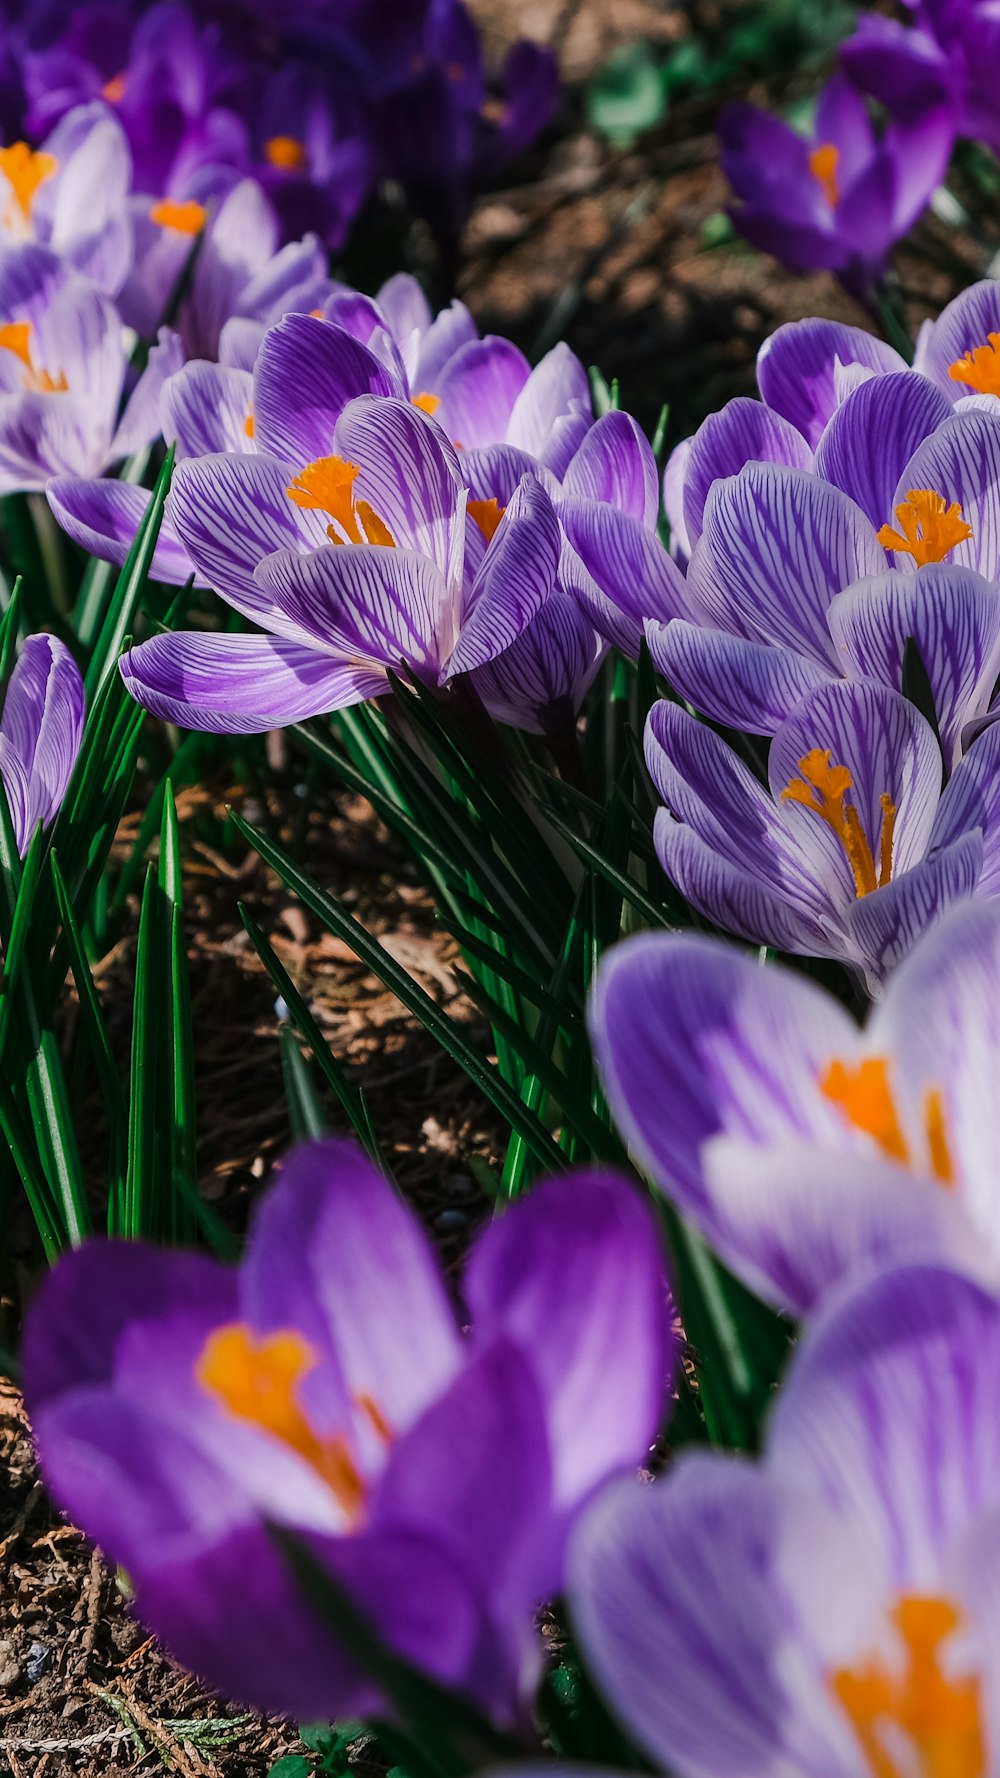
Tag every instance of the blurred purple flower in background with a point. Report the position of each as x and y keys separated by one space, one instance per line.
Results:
x=178 y=1406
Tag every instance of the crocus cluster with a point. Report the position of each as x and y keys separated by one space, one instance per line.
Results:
x=315 y=103
x=839 y=198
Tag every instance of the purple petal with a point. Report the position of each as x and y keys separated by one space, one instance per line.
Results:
x=777 y=544
x=142 y=420
x=207 y=408
x=628 y=574
x=238 y=242
x=963 y=325
x=230 y=512
x=452 y=329
x=954 y=617
x=477 y=390
x=743 y=432
x=409 y=473
x=306 y=373
x=971 y=803
x=43 y=715
x=797 y=364
x=240 y=685
x=407 y=314
x=575 y=1278
x=377 y=607
x=674 y=479
x=557 y=391
x=615 y=463
x=540 y=681
x=516 y=575
x=734 y=899
x=883 y=927
x=104 y=516
x=874 y=433
x=747 y=685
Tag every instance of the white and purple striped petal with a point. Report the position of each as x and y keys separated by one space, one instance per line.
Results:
x=239 y=685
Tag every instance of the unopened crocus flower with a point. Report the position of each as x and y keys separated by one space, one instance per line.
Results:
x=179 y=1405
x=805 y=1149
x=852 y=851
x=353 y=547
x=831 y=1608
x=62 y=374
x=71 y=195
x=838 y=200
x=41 y=724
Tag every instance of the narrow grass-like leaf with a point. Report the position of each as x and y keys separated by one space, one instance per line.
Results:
x=179 y=1062
x=305 y=1113
x=130 y=587
x=100 y=1046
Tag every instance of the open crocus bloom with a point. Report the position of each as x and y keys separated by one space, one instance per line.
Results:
x=358 y=560
x=839 y=200
x=828 y=1611
x=41 y=725
x=852 y=850
x=804 y=1148
x=179 y=1405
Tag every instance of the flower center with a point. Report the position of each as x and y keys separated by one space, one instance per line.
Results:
x=823 y=788
x=864 y=1095
x=185 y=219
x=15 y=336
x=823 y=164
x=929 y=527
x=937 y=1719
x=487 y=514
x=114 y=89
x=250 y=424
x=25 y=171
x=427 y=403
x=328 y=486
x=979 y=367
x=286 y=152
x=258 y=1380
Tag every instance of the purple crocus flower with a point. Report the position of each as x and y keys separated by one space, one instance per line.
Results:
x=829 y=1610
x=178 y=1405
x=807 y=1150
x=70 y=195
x=357 y=559
x=62 y=373
x=41 y=725
x=852 y=850
x=839 y=200
x=313 y=159
x=950 y=53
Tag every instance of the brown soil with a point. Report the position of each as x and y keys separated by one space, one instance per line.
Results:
x=608 y=248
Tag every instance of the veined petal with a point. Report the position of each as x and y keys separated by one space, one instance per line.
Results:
x=629 y=575
x=229 y=513
x=964 y=325
x=734 y=898
x=43 y=714
x=376 y=607
x=961 y=461
x=477 y=390
x=557 y=389
x=539 y=682
x=777 y=544
x=870 y=439
x=615 y=463
x=517 y=573
x=241 y=685
x=952 y=614
x=103 y=517
x=796 y=367
x=743 y=432
x=142 y=420
x=883 y=927
x=747 y=685
x=971 y=803
x=207 y=408
x=306 y=373
x=408 y=472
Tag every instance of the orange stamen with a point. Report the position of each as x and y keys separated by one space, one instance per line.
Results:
x=15 y=336
x=250 y=425
x=286 y=152
x=864 y=1095
x=937 y=1719
x=929 y=527
x=427 y=403
x=186 y=219
x=25 y=171
x=114 y=89
x=823 y=164
x=327 y=485
x=979 y=367
x=487 y=515
x=823 y=788
x=942 y=1165
x=259 y=1380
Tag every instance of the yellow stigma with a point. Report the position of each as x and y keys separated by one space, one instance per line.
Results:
x=979 y=367
x=427 y=403
x=823 y=164
x=25 y=171
x=184 y=219
x=863 y=1094
x=933 y=1721
x=258 y=1380
x=327 y=485
x=929 y=527
x=487 y=515
x=823 y=788
x=114 y=89
x=286 y=152
x=15 y=336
